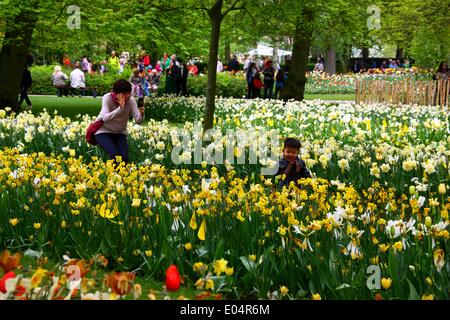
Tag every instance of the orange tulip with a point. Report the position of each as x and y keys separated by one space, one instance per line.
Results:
x=120 y=282
x=9 y=262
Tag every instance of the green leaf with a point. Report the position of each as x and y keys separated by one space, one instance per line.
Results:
x=393 y=266
x=219 y=250
x=413 y=295
x=248 y=264
x=343 y=286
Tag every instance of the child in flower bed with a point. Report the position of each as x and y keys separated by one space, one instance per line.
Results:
x=291 y=167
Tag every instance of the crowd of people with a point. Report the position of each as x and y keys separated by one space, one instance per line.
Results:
x=145 y=78
x=359 y=66
x=273 y=75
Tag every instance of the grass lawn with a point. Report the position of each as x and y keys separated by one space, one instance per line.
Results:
x=331 y=96
x=66 y=106
x=70 y=107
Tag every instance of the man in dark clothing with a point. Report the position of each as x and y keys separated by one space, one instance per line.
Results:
x=177 y=75
x=291 y=168
x=269 y=79
x=184 y=77
x=233 y=65
x=24 y=86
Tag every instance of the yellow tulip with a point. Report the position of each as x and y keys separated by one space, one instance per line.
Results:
x=283 y=291
x=386 y=283
x=316 y=297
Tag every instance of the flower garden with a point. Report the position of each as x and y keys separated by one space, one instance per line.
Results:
x=379 y=200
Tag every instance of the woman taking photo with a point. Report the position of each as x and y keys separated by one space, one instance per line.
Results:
x=117 y=107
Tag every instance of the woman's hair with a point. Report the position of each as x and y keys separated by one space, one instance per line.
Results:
x=122 y=86
x=57 y=69
x=441 y=67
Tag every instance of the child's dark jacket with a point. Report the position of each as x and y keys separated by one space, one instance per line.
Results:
x=293 y=171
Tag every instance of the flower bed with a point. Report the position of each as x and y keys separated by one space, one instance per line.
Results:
x=380 y=199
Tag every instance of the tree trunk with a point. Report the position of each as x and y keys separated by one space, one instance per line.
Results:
x=16 y=44
x=365 y=53
x=215 y=16
x=399 y=53
x=276 y=47
x=330 y=60
x=227 y=52
x=295 y=85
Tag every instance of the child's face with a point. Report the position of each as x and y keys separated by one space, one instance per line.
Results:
x=290 y=153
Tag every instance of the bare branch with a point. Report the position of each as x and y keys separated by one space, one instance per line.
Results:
x=234 y=8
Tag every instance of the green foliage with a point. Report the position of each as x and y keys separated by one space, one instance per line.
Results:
x=227 y=86
x=430 y=49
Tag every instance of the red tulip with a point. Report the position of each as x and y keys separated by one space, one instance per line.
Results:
x=172 y=278
x=9 y=275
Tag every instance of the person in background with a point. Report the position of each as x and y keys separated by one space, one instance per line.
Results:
x=59 y=81
x=154 y=80
x=219 y=66
x=392 y=64
x=95 y=67
x=442 y=73
x=258 y=63
x=356 y=67
x=247 y=63
x=113 y=61
x=384 y=65
x=66 y=61
x=140 y=65
x=103 y=68
x=406 y=64
x=77 y=80
x=165 y=62
x=84 y=64
x=122 y=62
x=146 y=60
x=136 y=82
x=145 y=83
x=158 y=67
x=192 y=69
x=257 y=86
x=170 y=76
x=184 y=77
x=280 y=81
x=319 y=66
x=269 y=79
x=177 y=72
x=117 y=107
x=233 y=65
x=24 y=86
x=250 y=76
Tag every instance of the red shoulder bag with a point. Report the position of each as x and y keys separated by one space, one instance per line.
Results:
x=91 y=130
